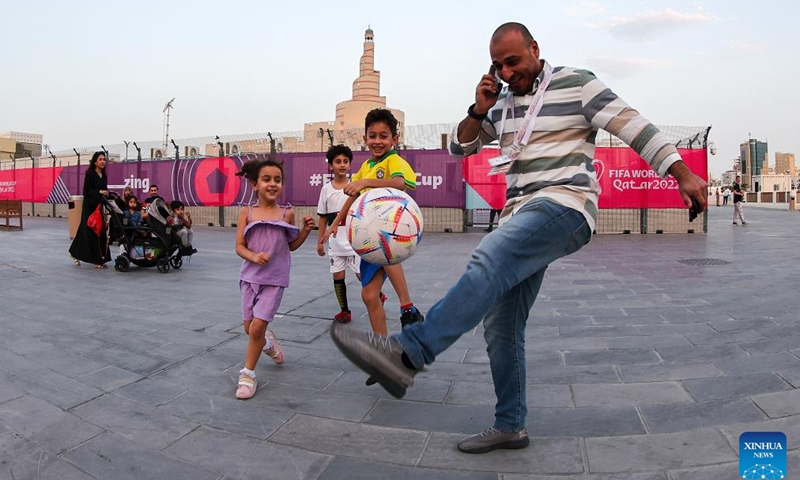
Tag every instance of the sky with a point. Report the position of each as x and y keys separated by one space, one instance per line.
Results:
x=100 y=72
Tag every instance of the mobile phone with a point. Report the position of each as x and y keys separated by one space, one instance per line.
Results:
x=694 y=210
x=499 y=86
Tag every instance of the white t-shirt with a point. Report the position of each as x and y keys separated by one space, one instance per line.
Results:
x=330 y=204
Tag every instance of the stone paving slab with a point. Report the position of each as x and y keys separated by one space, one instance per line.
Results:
x=734 y=386
x=663 y=372
x=214 y=450
x=639 y=367
x=47 y=425
x=135 y=422
x=110 y=456
x=658 y=451
x=543 y=455
x=684 y=417
x=473 y=393
x=616 y=476
x=428 y=416
x=23 y=459
x=781 y=404
x=225 y=413
x=367 y=442
x=629 y=394
x=343 y=468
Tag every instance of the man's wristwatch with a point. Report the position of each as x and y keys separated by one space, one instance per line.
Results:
x=471 y=113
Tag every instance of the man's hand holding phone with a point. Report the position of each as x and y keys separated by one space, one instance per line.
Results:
x=487 y=91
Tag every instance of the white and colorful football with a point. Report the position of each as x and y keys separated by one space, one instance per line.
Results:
x=385 y=226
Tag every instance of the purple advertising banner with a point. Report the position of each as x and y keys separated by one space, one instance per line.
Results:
x=213 y=181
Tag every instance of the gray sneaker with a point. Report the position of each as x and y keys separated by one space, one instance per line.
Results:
x=378 y=355
x=492 y=439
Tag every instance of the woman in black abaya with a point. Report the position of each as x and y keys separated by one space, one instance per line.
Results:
x=89 y=246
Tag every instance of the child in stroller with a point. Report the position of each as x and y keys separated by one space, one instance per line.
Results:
x=149 y=244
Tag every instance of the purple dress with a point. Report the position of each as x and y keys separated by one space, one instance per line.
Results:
x=272 y=237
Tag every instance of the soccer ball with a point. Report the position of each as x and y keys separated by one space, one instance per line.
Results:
x=385 y=226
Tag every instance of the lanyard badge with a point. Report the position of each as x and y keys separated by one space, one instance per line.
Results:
x=502 y=163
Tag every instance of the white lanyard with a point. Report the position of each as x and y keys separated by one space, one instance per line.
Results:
x=525 y=131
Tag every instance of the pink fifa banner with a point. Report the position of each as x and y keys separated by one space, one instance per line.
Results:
x=30 y=184
x=625 y=179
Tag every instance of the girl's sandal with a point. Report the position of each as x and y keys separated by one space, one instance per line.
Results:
x=100 y=266
x=75 y=261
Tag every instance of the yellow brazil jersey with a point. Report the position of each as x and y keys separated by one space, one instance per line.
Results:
x=390 y=166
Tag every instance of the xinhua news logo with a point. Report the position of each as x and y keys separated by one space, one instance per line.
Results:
x=762 y=455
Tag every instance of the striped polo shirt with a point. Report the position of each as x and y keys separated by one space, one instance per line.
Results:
x=556 y=164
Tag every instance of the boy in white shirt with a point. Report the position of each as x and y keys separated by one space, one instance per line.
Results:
x=331 y=201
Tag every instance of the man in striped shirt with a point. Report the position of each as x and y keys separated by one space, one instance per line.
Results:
x=546 y=124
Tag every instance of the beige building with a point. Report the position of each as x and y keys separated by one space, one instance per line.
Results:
x=26 y=145
x=347 y=129
x=772 y=183
x=23 y=137
x=8 y=149
x=785 y=163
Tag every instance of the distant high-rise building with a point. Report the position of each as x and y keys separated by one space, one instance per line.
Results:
x=754 y=160
x=785 y=162
x=728 y=177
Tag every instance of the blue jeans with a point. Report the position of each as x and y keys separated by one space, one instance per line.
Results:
x=499 y=287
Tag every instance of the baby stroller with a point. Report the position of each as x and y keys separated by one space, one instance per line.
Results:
x=149 y=245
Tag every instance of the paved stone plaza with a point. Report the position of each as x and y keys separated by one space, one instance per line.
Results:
x=640 y=367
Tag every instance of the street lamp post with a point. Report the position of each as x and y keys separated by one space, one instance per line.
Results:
x=177 y=156
x=77 y=171
x=271 y=144
x=126 y=148
x=221 y=154
x=321 y=138
x=54 y=176
x=33 y=183
x=330 y=136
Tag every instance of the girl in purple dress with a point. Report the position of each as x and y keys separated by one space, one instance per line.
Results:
x=265 y=237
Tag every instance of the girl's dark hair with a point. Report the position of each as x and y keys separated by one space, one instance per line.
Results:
x=252 y=168
x=133 y=197
x=93 y=161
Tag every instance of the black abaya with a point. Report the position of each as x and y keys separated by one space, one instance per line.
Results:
x=88 y=246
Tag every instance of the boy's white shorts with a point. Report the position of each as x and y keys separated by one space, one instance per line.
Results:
x=339 y=263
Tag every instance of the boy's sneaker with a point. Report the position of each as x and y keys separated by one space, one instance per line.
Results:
x=492 y=439
x=274 y=352
x=378 y=355
x=343 y=317
x=411 y=315
x=735 y=223
x=744 y=223
x=247 y=387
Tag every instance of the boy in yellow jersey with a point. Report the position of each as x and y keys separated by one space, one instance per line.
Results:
x=385 y=168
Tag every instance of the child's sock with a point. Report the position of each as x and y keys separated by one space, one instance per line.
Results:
x=341 y=294
x=248 y=372
x=268 y=345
